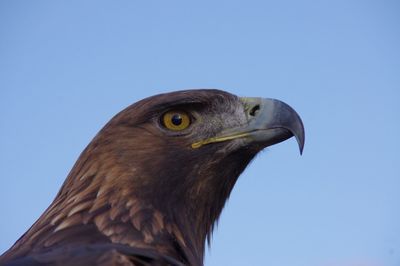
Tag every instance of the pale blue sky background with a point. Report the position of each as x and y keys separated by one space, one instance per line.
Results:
x=66 y=67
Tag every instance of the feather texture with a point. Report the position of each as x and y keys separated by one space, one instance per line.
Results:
x=140 y=194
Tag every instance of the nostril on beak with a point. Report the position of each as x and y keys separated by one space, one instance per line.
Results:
x=254 y=111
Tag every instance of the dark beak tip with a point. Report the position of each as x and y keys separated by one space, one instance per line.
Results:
x=298 y=133
x=301 y=147
x=300 y=138
x=291 y=120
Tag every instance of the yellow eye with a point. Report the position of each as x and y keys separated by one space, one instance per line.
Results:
x=176 y=120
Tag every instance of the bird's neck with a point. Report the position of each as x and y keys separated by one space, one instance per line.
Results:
x=179 y=232
x=117 y=205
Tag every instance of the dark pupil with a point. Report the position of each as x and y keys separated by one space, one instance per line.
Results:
x=176 y=119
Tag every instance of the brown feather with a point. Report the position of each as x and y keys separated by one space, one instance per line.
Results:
x=139 y=194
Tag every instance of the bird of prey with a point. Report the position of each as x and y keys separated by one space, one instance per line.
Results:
x=150 y=186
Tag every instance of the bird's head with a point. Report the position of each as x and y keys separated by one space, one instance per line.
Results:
x=159 y=173
x=182 y=152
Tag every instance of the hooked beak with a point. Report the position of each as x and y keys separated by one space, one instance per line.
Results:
x=273 y=122
x=269 y=122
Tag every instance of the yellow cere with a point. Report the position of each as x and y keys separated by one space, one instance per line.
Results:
x=176 y=120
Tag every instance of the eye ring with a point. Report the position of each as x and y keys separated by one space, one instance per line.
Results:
x=176 y=120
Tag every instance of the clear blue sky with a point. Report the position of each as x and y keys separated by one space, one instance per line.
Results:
x=66 y=67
